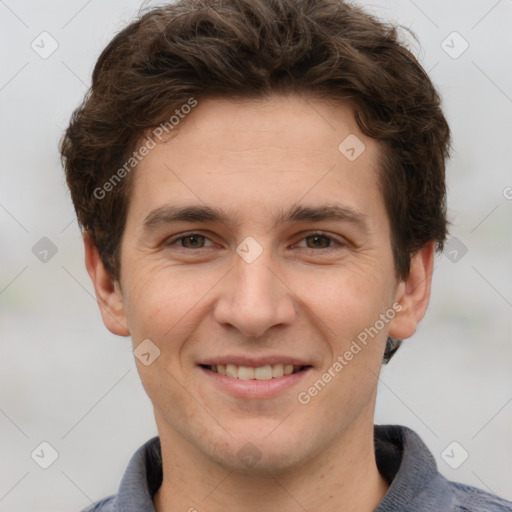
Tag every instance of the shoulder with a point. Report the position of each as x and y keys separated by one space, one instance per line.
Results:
x=416 y=483
x=472 y=499
x=105 y=505
x=140 y=481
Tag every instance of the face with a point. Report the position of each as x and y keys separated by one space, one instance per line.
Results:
x=255 y=246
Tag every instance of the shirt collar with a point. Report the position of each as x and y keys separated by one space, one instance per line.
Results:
x=405 y=461
x=141 y=480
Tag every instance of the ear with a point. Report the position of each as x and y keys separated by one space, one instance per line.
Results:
x=413 y=293
x=108 y=290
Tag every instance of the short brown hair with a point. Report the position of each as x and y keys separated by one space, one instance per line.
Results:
x=252 y=49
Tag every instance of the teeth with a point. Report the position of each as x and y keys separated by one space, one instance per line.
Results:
x=277 y=370
x=231 y=371
x=245 y=373
x=261 y=373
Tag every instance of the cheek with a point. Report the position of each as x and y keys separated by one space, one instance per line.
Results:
x=345 y=300
x=164 y=300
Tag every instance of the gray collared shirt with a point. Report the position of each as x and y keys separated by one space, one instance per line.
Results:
x=402 y=458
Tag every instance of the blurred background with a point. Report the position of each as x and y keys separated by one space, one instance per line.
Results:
x=66 y=381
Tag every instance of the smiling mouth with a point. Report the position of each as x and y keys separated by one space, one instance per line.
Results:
x=267 y=372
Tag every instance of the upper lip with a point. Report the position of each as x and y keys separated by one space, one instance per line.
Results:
x=254 y=362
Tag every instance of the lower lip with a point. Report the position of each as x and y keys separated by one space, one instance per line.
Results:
x=255 y=388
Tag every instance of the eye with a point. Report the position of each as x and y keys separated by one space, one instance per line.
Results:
x=320 y=241
x=189 y=241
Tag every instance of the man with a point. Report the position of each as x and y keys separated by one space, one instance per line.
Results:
x=261 y=189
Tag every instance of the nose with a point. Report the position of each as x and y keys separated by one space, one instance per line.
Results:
x=254 y=297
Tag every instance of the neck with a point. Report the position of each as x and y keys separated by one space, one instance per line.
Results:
x=344 y=478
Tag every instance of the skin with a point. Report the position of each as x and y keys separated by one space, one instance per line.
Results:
x=302 y=297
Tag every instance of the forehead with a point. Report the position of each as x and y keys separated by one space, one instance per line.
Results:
x=257 y=156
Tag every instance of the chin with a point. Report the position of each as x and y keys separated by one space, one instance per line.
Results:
x=261 y=453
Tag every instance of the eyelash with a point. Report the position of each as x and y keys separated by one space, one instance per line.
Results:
x=338 y=243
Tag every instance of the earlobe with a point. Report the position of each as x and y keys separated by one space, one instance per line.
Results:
x=108 y=291
x=413 y=294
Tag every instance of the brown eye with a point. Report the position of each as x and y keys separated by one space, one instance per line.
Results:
x=318 y=241
x=321 y=241
x=194 y=241
x=190 y=241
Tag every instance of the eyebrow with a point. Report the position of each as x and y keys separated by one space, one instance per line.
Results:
x=297 y=213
